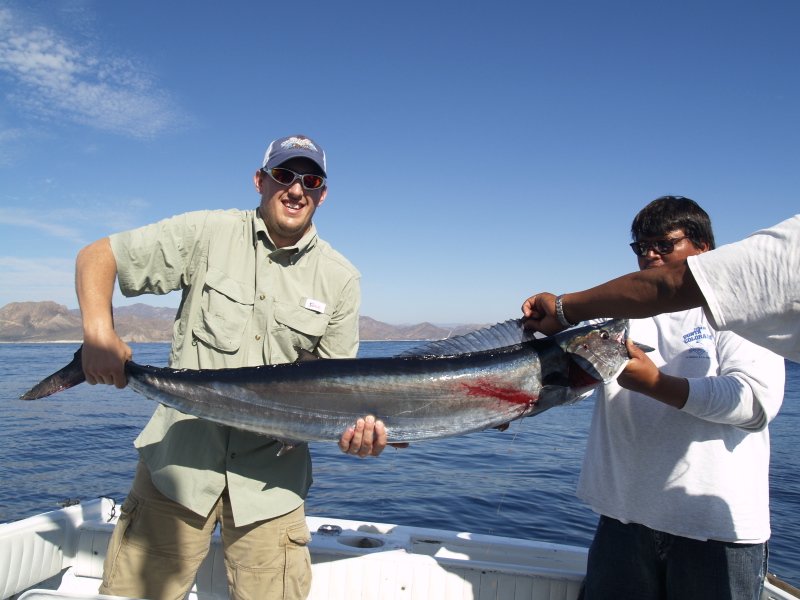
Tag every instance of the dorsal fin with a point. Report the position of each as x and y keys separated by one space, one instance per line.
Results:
x=304 y=355
x=504 y=334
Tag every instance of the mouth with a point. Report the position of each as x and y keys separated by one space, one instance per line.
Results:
x=293 y=206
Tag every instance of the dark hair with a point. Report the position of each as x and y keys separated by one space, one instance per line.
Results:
x=668 y=213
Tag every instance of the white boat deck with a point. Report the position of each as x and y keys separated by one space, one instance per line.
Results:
x=64 y=550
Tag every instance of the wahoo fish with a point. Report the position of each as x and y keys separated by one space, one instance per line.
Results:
x=441 y=389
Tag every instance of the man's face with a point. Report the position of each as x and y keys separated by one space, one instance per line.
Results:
x=287 y=209
x=680 y=252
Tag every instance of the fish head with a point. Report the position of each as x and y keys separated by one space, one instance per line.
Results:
x=597 y=350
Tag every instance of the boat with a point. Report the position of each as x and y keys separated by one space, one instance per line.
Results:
x=58 y=555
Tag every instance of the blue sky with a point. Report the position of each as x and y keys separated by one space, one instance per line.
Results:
x=478 y=152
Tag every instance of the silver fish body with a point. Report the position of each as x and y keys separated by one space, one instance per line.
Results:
x=443 y=389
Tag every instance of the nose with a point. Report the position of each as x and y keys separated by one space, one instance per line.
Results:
x=651 y=252
x=295 y=189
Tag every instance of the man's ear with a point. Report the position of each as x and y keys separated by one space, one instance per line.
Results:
x=257 y=179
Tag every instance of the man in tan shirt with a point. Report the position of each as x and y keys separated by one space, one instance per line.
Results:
x=254 y=285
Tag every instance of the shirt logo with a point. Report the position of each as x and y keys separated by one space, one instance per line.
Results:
x=315 y=305
x=295 y=142
x=699 y=341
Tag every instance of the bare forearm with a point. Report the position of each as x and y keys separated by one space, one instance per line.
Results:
x=673 y=391
x=95 y=274
x=637 y=295
x=104 y=353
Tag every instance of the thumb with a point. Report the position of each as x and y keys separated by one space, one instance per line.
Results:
x=633 y=350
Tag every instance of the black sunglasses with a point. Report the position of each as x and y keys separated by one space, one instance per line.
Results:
x=286 y=177
x=661 y=247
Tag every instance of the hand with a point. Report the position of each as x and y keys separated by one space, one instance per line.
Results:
x=104 y=358
x=640 y=374
x=643 y=376
x=367 y=438
x=540 y=314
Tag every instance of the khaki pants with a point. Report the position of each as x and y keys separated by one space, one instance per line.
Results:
x=158 y=545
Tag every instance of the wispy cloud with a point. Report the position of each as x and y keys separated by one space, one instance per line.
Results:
x=87 y=218
x=19 y=217
x=58 y=79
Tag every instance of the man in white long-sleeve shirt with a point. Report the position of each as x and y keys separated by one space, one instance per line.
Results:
x=678 y=454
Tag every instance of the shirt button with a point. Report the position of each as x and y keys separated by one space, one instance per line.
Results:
x=233 y=454
x=270 y=261
x=258 y=337
x=261 y=297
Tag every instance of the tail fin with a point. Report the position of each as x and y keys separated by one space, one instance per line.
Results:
x=68 y=377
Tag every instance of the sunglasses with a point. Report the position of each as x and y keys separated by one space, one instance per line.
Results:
x=287 y=177
x=661 y=247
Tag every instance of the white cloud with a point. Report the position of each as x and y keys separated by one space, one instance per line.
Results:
x=25 y=218
x=41 y=279
x=58 y=79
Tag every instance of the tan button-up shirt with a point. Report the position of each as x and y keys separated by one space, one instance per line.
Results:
x=245 y=303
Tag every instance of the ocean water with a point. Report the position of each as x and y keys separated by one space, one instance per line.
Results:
x=519 y=483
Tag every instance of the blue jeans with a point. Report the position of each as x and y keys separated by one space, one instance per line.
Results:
x=638 y=563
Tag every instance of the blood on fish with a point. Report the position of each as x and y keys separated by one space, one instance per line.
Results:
x=484 y=388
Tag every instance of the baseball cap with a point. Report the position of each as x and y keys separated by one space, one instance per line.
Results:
x=286 y=148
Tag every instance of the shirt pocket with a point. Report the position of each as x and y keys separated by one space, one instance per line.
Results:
x=298 y=326
x=225 y=309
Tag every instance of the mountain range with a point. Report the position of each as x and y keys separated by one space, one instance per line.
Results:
x=51 y=322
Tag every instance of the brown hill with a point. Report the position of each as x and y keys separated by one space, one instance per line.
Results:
x=51 y=322
x=38 y=322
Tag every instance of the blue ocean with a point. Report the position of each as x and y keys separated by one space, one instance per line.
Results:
x=518 y=483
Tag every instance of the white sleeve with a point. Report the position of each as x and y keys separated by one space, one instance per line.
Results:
x=752 y=287
x=748 y=391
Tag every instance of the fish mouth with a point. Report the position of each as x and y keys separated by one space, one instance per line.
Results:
x=582 y=373
x=588 y=367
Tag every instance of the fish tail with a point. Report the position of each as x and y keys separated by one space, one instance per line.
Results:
x=65 y=378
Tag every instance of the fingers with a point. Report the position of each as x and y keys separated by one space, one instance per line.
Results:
x=344 y=441
x=104 y=359
x=528 y=308
x=633 y=350
x=366 y=438
x=379 y=440
x=539 y=314
x=359 y=439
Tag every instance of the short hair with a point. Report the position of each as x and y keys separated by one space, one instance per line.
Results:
x=668 y=213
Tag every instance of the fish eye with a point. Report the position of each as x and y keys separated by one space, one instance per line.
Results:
x=604 y=335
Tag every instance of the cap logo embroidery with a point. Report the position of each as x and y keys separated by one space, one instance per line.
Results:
x=294 y=142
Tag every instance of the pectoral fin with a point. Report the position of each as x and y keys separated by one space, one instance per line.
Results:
x=288 y=445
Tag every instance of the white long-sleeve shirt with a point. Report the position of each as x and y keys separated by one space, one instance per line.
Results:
x=752 y=287
x=699 y=472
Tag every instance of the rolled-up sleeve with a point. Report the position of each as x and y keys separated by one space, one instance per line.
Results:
x=158 y=258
